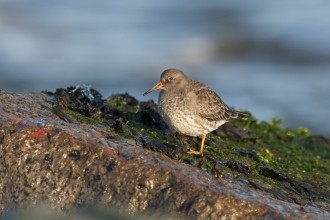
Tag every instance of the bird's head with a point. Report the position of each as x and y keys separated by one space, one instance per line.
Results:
x=170 y=80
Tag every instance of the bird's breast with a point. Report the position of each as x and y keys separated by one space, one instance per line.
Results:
x=181 y=114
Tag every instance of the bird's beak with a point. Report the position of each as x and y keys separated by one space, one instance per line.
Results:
x=157 y=86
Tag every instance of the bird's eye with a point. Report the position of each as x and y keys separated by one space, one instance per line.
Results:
x=170 y=78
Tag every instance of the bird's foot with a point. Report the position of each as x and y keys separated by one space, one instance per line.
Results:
x=195 y=152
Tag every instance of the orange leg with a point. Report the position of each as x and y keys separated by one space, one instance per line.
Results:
x=200 y=152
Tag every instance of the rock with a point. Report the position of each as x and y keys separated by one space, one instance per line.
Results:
x=67 y=165
x=147 y=114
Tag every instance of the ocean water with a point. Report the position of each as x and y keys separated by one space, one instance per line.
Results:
x=271 y=58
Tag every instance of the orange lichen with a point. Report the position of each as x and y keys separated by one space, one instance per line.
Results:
x=41 y=132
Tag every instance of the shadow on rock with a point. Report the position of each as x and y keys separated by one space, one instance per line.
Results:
x=149 y=116
x=303 y=188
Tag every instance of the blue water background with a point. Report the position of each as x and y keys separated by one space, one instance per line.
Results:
x=270 y=57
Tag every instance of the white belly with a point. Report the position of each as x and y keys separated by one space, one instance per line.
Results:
x=181 y=115
x=188 y=124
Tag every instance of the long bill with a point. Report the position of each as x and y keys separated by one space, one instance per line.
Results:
x=157 y=86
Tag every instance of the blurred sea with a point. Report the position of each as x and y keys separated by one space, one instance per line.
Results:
x=269 y=57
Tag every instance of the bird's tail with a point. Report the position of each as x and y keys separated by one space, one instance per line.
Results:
x=239 y=115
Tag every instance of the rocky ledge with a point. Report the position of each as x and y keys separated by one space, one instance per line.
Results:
x=48 y=157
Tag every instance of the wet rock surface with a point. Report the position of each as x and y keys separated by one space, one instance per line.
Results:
x=49 y=157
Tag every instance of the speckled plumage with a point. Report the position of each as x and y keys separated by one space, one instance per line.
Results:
x=190 y=107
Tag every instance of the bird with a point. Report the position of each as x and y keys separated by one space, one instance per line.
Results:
x=191 y=108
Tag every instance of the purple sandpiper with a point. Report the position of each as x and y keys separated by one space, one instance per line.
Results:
x=191 y=108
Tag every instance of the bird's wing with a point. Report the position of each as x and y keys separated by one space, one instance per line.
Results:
x=211 y=107
x=209 y=104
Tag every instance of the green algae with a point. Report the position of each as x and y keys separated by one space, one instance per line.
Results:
x=116 y=103
x=86 y=120
x=288 y=150
x=291 y=152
